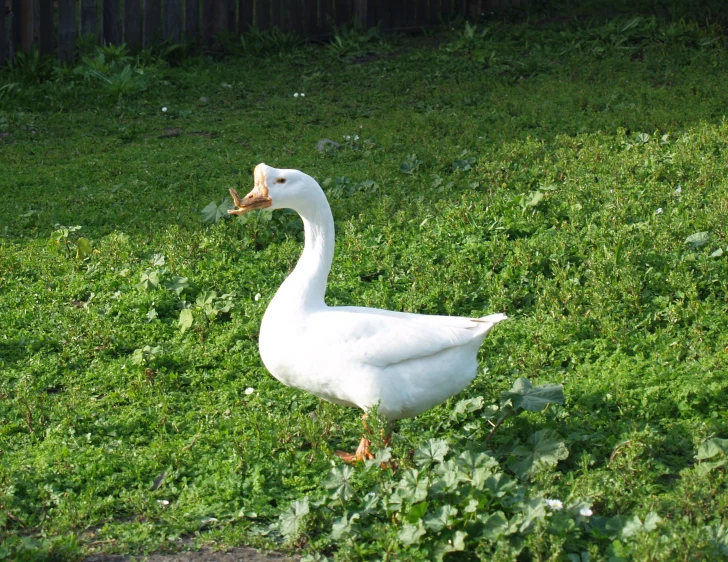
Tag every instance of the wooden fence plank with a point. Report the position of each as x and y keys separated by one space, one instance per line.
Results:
x=275 y=13
x=45 y=27
x=232 y=19
x=295 y=16
x=25 y=18
x=220 y=12
x=343 y=12
x=327 y=17
x=66 y=29
x=396 y=16
x=420 y=13
x=192 y=20
x=110 y=24
x=14 y=30
x=434 y=14
x=446 y=10
x=133 y=23
x=262 y=14
x=207 y=21
x=245 y=12
x=172 y=16
x=152 y=21
x=3 y=38
x=310 y=18
x=89 y=17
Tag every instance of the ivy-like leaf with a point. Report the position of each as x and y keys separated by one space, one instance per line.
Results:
x=410 y=164
x=411 y=534
x=177 y=284
x=524 y=396
x=697 y=240
x=214 y=212
x=342 y=527
x=544 y=449
x=534 y=509
x=433 y=451
x=83 y=248
x=711 y=448
x=186 y=318
x=291 y=522
x=442 y=517
x=149 y=280
x=495 y=526
x=468 y=405
x=339 y=482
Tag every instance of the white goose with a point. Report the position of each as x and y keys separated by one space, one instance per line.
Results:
x=353 y=356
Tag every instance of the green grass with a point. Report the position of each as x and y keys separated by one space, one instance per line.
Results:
x=554 y=172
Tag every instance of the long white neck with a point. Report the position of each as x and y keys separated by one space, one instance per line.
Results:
x=305 y=287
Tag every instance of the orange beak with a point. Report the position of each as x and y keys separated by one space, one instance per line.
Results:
x=256 y=199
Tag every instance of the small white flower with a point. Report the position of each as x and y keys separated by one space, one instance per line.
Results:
x=659 y=211
x=295 y=95
x=249 y=390
x=679 y=189
x=356 y=137
x=348 y=137
x=163 y=502
x=556 y=505
x=164 y=110
x=303 y=95
x=585 y=512
x=256 y=298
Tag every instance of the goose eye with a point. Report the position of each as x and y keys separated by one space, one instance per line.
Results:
x=281 y=180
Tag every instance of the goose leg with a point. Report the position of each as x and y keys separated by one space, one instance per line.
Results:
x=362 y=451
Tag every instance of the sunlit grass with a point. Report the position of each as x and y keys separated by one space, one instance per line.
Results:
x=563 y=175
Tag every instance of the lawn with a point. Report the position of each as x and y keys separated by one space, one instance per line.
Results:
x=570 y=172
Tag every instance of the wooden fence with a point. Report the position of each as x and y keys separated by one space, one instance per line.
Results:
x=54 y=25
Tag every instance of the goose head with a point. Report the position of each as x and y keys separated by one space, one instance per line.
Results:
x=275 y=189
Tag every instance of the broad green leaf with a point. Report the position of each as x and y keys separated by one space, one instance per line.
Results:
x=410 y=164
x=215 y=212
x=411 y=534
x=206 y=297
x=412 y=488
x=83 y=248
x=697 y=240
x=500 y=484
x=455 y=544
x=158 y=260
x=339 y=482
x=631 y=526
x=468 y=461
x=523 y=396
x=468 y=405
x=291 y=522
x=532 y=199
x=177 y=284
x=533 y=510
x=149 y=280
x=417 y=512
x=433 y=451
x=186 y=318
x=544 y=449
x=711 y=448
x=495 y=526
x=652 y=520
x=342 y=527
x=442 y=517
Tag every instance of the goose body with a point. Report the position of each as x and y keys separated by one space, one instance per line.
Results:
x=353 y=356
